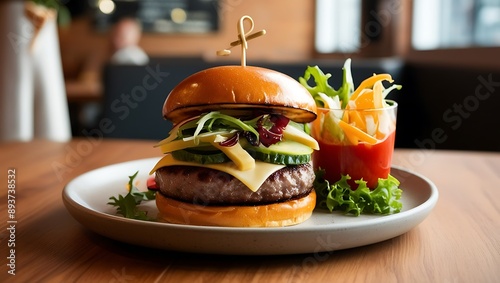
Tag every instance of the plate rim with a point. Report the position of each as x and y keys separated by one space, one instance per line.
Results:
x=72 y=205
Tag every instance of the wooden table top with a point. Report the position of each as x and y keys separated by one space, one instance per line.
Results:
x=458 y=242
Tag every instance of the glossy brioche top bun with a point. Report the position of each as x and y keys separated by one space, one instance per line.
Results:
x=241 y=88
x=268 y=215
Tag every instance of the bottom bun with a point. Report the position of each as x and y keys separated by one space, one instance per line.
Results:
x=270 y=215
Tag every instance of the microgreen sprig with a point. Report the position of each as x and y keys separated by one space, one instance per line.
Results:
x=128 y=205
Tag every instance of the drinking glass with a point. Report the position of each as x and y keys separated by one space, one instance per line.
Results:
x=355 y=142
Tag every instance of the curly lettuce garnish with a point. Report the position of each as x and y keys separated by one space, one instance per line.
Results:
x=384 y=199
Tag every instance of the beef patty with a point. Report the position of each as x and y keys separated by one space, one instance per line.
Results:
x=206 y=186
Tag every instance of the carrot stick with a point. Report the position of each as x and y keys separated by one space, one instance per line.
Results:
x=352 y=131
x=356 y=118
x=369 y=82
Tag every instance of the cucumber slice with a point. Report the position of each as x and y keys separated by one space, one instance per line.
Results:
x=201 y=156
x=278 y=158
x=284 y=152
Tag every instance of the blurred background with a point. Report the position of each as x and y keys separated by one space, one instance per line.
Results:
x=445 y=53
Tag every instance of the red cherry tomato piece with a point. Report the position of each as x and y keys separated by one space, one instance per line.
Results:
x=151 y=183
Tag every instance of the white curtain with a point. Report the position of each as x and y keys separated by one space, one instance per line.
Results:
x=33 y=101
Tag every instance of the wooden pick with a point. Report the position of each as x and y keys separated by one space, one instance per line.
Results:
x=243 y=37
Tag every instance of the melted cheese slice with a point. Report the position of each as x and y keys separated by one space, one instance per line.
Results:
x=253 y=178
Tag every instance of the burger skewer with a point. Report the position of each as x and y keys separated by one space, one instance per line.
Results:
x=243 y=38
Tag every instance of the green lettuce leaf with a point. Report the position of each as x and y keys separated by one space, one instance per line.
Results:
x=384 y=199
x=323 y=90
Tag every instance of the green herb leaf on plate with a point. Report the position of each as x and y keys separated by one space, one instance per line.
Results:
x=128 y=205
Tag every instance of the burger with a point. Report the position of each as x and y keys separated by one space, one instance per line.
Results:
x=238 y=154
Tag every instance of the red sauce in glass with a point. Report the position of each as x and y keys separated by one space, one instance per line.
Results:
x=369 y=162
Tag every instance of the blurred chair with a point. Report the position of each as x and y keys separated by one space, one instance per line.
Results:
x=134 y=97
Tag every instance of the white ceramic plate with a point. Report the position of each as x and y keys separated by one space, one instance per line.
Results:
x=86 y=199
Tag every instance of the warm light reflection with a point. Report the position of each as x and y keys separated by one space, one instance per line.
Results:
x=106 y=6
x=178 y=15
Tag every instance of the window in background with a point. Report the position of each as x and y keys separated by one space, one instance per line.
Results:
x=441 y=24
x=338 y=26
x=160 y=16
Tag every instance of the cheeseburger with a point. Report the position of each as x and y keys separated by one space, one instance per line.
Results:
x=237 y=154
